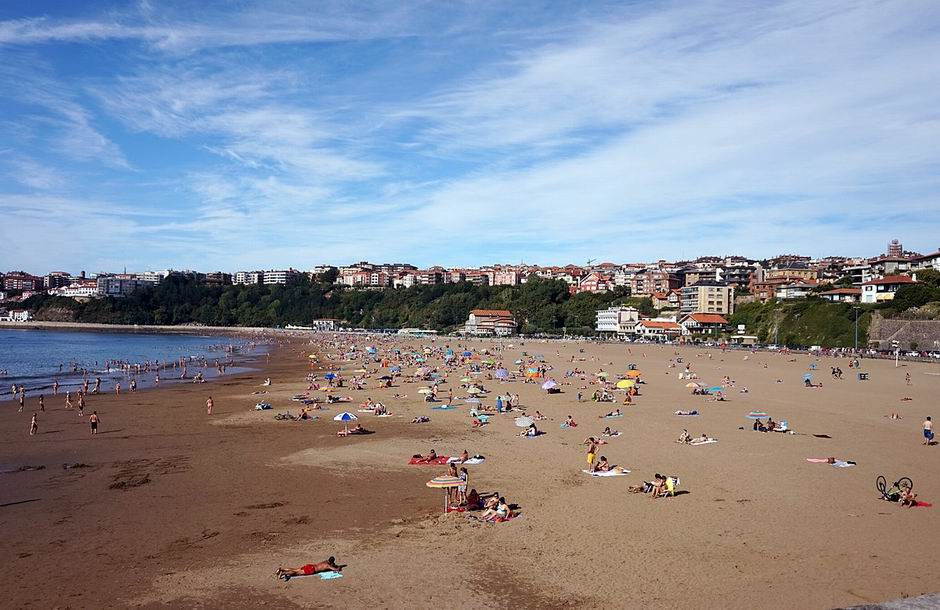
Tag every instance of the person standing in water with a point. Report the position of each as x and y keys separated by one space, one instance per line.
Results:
x=209 y=405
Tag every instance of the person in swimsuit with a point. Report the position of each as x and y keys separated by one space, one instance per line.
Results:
x=209 y=405
x=93 y=420
x=329 y=565
x=34 y=425
x=591 y=453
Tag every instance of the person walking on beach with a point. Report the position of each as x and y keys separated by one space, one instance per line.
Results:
x=68 y=400
x=928 y=431
x=22 y=399
x=55 y=387
x=209 y=404
x=81 y=405
x=907 y=378
x=34 y=425
x=117 y=389
x=93 y=420
x=42 y=404
x=97 y=388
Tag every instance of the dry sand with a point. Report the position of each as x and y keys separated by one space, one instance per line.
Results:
x=179 y=508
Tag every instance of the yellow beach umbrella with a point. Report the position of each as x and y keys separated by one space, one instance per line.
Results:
x=623 y=384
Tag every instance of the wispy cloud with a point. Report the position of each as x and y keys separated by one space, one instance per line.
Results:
x=272 y=135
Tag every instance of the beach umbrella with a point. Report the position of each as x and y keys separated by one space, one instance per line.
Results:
x=692 y=385
x=474 y=390
x=518 y=362
x=757 y=415
x=808 y=377
x=623 y=384
x=345 y=417
x=466 y=379
x=524 y=422
x=489 y=361
x=467 y=354
x=421 y=372
x=424 y=391
x=549 y=385
x=603 y=374
x=633 y=373
x=385 y=377
x=715 y=388
x=330 y=376
x=312 y=356
x=395 y=369
x=502 y=374
x=444 y=482
x=472 y=400
x=372 y=349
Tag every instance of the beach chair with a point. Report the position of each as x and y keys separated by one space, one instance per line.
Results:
x=671 y=484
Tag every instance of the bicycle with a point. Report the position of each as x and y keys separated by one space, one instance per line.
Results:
x=893 y=494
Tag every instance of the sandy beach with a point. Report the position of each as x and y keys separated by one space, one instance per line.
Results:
x=175 y=507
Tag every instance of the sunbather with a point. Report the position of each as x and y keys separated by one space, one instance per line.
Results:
x=538 y=416
x=609 y=432
x=659 y=486
x=502 y=512
x=421 y=419
x=426 y=459
x=702 y=440
x=692 y=412
x=685 y=437
x=614 y=413
x=311 y=568
x=570 y=423
x=530 y=431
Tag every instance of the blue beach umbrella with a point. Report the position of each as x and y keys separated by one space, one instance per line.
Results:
x=502 y=374
x=330 y=376
x=345 y=417
x=467 y=354
x=395 y=369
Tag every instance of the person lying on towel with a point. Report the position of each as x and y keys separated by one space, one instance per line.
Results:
x=430 y=457
x=329 y=565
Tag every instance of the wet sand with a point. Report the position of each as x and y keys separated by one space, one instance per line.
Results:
x=179 y=508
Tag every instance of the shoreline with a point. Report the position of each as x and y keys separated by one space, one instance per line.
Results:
x=141 y=328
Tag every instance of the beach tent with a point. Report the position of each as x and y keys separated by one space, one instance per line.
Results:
x=345 y=417
x=444 y=482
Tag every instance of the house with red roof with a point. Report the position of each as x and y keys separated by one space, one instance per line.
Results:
x=703 y=324
x=842 y=295
x=883 y=289
x=658 y=330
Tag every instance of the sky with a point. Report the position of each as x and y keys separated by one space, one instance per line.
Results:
x=255 y=135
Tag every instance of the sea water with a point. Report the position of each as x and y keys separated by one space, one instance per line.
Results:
x=35 y=358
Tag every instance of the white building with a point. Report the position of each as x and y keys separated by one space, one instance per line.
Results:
x=247 y=278
x=278 y=276
x=15 y=315
x=884 y=289
x=620 y=320
x=484 y=322
x=326 y=324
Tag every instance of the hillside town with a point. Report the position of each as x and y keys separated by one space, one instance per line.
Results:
x=691 y=298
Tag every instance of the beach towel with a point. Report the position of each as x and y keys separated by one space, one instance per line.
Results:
x=613 y=434
x=708 y=442
x=439 y=461
x=330 y=575
x=365 y=410
x=443 y=408
x=385 y=415
x=924 y=504
x=689 y=414
x=612 y=416
x=843 y=464
x=567 y=426
x=472 y=461
x=609 y=473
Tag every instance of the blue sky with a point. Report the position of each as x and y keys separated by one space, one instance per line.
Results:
x=241 y=135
